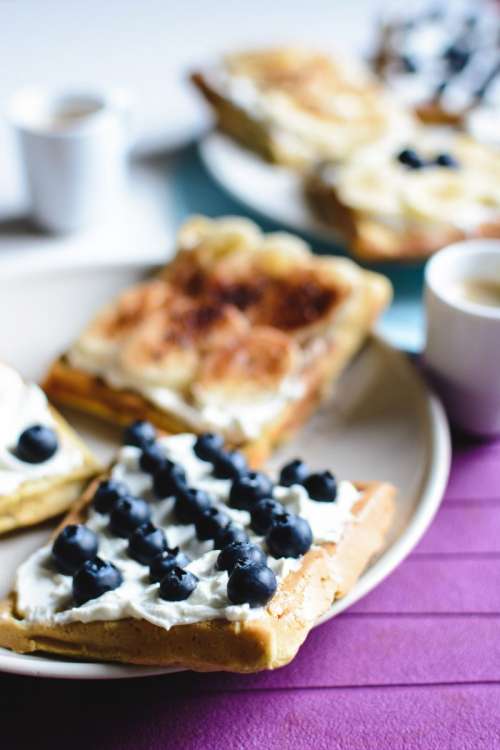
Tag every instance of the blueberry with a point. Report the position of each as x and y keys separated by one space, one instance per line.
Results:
x=177 y=584
x=457 y=56
x=146 y=542
x=446 y=160
x=169 y=480
x=190 y=503
x=127 y=514
x=251 y=584
x=263 y=514
x=246 y=490
x=74 y=545
x=240 y=553
x=289 y=536
x=208 y=446
x=321 y=487
x=230 y=534
x=93 y=579
x=140 y=433
x=165 y=561
x=408 y=64
x=231 y=465
x=410 y=158
x=210 y=522
x=294 y=472
x=36 y=444
x=152 y=458
x=107 y=493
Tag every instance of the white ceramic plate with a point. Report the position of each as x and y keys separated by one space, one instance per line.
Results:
x=272 y=191
x=382 y=423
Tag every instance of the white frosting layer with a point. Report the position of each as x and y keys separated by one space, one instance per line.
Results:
x=43 y=595
x=24 y=405
x=238 y=420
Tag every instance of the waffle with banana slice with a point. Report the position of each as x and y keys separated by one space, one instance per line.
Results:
x=294 y=106
x=242 y=333
x=407 y=203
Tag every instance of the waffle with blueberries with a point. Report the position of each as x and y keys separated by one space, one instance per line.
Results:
x=44 y=466
x=444 y=61
x=182 y=556
x=406 y=203
x=242 y=334
x=294 y=106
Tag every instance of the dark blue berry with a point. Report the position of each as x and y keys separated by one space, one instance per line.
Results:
x=246 y=490
x=294 y=472
x=36 y=444
x=446 y=160
x=210 y=522
x=240 y=553
x=94 y=579
x=140 y=433
x=168 y=559
x=230 y=534
x=208 y=446
x=410 y=158
x=169 y=480
x=321 y=487
x=457 y=57
x=289 y=536
x=146 y=542
x=177 y=584
x=190 y=503
x=127 y=514
x=107 y=493
x=408 y=64
x=152 y=458
x=74 y=545
x=251 y=584
x=263 y=514
x=231 y=465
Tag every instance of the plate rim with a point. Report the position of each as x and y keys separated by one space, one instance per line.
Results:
x=431 y=494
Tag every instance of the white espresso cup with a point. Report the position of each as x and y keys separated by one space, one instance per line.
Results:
x=462 y=352
x=73 y=147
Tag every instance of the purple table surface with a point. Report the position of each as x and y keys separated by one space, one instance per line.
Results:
x=416 y=664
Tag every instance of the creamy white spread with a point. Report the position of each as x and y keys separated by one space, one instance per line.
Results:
x=23 y=405
x=43 y=595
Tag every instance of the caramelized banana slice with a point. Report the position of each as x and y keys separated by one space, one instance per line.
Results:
x=252 y=367
x=104 y=336
x=165 y=349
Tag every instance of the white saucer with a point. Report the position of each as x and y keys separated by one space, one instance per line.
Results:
x=272 y=191
x=383 y=423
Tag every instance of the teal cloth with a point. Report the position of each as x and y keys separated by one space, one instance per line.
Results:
x=196 y=192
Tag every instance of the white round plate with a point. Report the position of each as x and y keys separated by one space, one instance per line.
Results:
x=274 y=192
x=382 y=423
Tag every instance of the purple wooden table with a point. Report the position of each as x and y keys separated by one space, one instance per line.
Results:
x=416 y=664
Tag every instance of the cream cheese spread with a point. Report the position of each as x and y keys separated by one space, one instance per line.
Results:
x=23 y=405
x=44 y=595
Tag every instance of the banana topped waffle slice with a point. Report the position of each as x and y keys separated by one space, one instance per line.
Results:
x=241 y=334
x=295 y=106
x=183 y=557
x=409 y=202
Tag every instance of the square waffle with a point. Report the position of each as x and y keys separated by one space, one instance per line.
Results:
x=219 y=618
x=242 y=333
x=34 y=488
x=295 y=106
